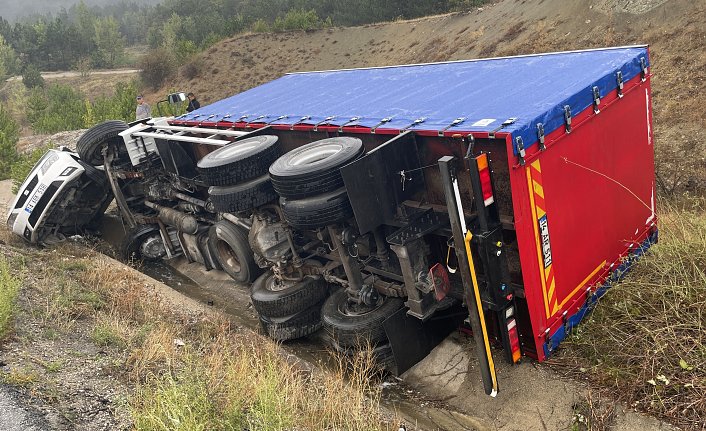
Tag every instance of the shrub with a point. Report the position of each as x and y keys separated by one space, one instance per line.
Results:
x=32 y=77
x=9 y=135
x=300 y=19
x=157 y=66
x=55 y=109
x=119 y=106
x=260 y=26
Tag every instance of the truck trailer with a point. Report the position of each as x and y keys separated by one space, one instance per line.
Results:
x=388 y=205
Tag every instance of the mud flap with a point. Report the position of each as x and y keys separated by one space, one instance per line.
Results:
x=412 y=340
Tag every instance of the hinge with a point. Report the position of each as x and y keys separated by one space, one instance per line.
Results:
x=619 y=79
x=540 y=136
x=520 y=145
x=596 y=99
x=567 y=118
x=643 y=66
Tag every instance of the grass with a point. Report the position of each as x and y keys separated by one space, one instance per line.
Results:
x=193 y=371
x=9 y=289
x=646 y=340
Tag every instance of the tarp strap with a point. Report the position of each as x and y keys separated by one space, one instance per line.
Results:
x=260 y=117
x=326 y=120
x=596 y=99
x=352 y=120
x=299 y=121
x=455 y=122
x=414 y=123
x=567 y=118
x=383 y=121
x=540 y=136
x=619 y=79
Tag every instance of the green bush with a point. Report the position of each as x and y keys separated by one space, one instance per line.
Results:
x=55 y=109
x=32 y=77
x=300 y=19
x=260 y=26
x=9 y=135
x=157 y=66
x=119 y=106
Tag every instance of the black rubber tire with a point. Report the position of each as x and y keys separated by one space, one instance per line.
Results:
x=313 y=169
x=318 y=211
x=240 y=161
x=297 y=325
x=243 y=196
x=130 y=247
x=292 y=299
x=233 y=251
x=96 y=175
x=91 y=143
x=355 y=328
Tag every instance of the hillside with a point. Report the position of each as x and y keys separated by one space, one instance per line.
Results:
x=673 y=28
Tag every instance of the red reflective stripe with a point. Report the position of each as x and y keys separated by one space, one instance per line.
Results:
x=514 y=340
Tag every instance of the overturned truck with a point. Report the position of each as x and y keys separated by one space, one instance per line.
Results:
x=389 y=205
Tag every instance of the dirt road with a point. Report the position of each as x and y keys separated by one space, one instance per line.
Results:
x=71 y=74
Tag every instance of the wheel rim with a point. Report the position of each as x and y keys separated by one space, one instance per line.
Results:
x=275 y=285
x=316 y=154
x=352 y=309
x=230 y=259
x=234 y=150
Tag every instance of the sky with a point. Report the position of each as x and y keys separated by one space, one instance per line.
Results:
x=13 y=9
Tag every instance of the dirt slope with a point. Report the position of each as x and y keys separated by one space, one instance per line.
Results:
x=675 y=29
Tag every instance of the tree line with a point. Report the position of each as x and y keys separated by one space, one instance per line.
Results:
x=98 y=35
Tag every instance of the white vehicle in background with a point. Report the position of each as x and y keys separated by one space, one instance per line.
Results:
x=61 y=196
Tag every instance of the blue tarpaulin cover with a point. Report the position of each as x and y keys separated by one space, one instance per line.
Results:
x=484 y=93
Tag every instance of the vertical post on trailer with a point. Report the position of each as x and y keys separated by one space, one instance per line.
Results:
x=462 y=238
x=491 y=251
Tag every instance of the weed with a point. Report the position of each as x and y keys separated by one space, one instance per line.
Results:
x=9 y=289
x=110 y=331
x=646 y=339
x=24 y=377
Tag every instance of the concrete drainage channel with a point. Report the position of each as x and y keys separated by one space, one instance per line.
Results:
x=217 y=289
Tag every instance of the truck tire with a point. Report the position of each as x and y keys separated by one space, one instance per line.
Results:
x=272 y=300
x=240 y=161
x=134 y=246
x=91 y=143
x=354 y=325
x=233 y=251
x=243 y=196
x=97 y=176
x=313 y=168
x=318 y=211
x=294 y=326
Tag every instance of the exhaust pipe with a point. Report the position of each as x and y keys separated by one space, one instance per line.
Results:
x=182 y=222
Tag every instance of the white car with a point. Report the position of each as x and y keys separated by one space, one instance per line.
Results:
x=61 y=196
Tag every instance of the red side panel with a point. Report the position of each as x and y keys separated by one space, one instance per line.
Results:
x=582 y=203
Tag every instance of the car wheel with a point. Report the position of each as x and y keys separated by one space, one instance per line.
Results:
x=354 y=325
x=244 y=196
x=233 y=252
x=240 y=161
x=143 y=242
x=90 y=145
x=318 y=211
x=313 y=169
x=275 y=298
x=295 y=326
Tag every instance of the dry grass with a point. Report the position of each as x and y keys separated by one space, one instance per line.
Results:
x=647 y=338
x=195 y=371
x=9 y=288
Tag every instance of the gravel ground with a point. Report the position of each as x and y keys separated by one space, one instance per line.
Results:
x=15 y=417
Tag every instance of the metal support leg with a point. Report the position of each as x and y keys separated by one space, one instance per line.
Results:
x=350 y=266
x=462 y=238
